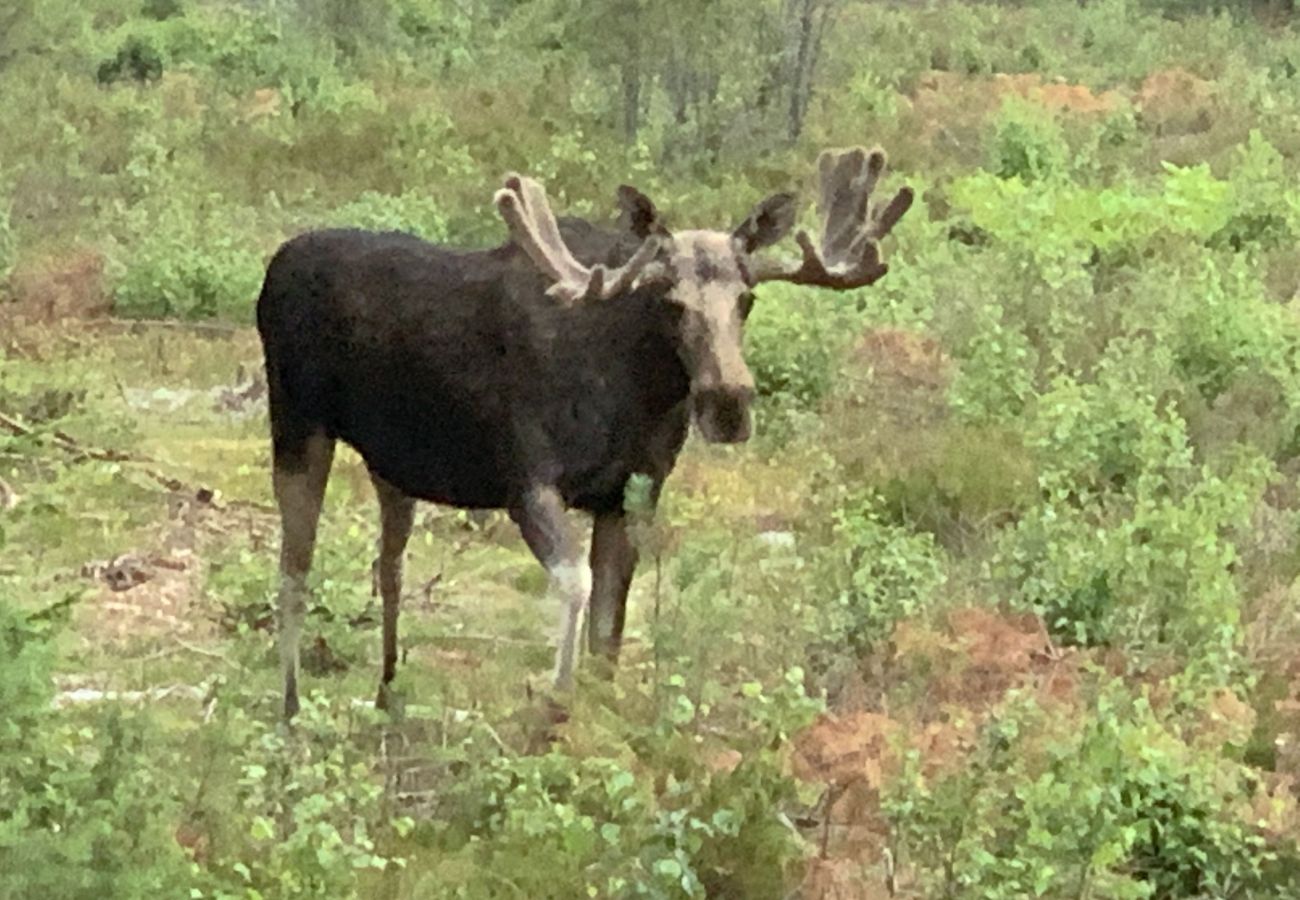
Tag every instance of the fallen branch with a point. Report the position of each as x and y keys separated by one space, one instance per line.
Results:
x=141 y=464
x=62 y=440
x=488 y=639
x=80 y=696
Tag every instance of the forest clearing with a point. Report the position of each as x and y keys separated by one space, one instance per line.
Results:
x=998 y=600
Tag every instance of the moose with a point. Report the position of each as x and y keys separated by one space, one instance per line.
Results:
x=536 y=377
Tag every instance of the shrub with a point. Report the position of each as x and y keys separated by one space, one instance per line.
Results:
x=189 y=262
x=413 y=212
x=138 y=59
x=1103 y=802
x=82 y=814
x=1028 y=143
x=343 y=613
x=601 y=822
x=1131 y=543
x=794 y=340
x=886 y=572
x=309 y=808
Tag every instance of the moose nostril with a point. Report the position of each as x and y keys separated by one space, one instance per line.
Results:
x=723 y=411
x=731 y=404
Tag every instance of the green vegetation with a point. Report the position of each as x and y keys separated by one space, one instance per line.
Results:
x=1001 y=601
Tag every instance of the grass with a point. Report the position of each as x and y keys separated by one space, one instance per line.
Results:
x=484 y=583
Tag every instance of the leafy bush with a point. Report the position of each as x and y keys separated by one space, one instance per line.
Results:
x=996 y=379
x=413 y=212
x=310 y=811
x=1131 y=542
x=343 y=615
x=81 y=813
x=1108 y=801
x=889 y=574
x=794 y=341
x=602 y=823
x=190 y=263
x=1028 y=143
x=138 y=59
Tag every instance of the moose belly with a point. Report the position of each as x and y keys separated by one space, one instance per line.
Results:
x=445 y=460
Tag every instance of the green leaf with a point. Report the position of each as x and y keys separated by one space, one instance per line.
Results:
x=669 y=868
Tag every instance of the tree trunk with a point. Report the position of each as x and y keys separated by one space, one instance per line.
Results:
x=803 y=35
x=631 y=77
x=807 y=24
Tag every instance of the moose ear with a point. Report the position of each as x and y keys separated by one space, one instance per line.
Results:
x=638 y=214
x=767 y=224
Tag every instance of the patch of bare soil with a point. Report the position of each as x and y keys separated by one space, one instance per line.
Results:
x=967 y=665
x=910 y=359
x=52 y=288
x=1174 y=101
x=143 y=596
x=154 y=593
x=947 y=102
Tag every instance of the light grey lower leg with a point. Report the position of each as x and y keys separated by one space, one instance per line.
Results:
x=572 y=581
x=541 y=520
x=397 y=517
x=299 y=492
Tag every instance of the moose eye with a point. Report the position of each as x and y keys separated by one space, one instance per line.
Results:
x=746 y=304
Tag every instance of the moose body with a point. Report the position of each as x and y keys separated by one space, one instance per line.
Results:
x=459 y=381
x=535 y=377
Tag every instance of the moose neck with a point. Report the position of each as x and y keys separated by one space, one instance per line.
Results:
x=631 y=337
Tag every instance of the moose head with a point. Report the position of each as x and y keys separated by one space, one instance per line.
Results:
x=704 y=280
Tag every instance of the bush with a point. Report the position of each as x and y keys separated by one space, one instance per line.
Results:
x=82 y=814
x=601 y=822
x=343 y=616
x=190 y=263
x=412 y=212
x=310 y=815
x=794 y=341
x=1028 y=143
x=1131 y=543
x=138 y=59
x=1106 y=801
x=888 y=574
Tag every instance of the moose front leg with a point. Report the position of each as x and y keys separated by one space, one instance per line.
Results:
x=613 y=560
x=541 y=519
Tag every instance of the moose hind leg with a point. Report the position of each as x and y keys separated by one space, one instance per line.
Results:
x=299 y=480
x=396 y=517
x=542 y=522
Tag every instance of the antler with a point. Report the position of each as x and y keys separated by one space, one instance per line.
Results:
x=849 y=256
x=527 y=213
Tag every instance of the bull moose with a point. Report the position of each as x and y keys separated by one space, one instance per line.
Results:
x=535 y=377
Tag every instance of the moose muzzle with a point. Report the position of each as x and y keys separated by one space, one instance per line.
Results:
x=722 y=413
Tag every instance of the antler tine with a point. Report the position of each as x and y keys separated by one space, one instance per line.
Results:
x=849 y=255
x=527 y=213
